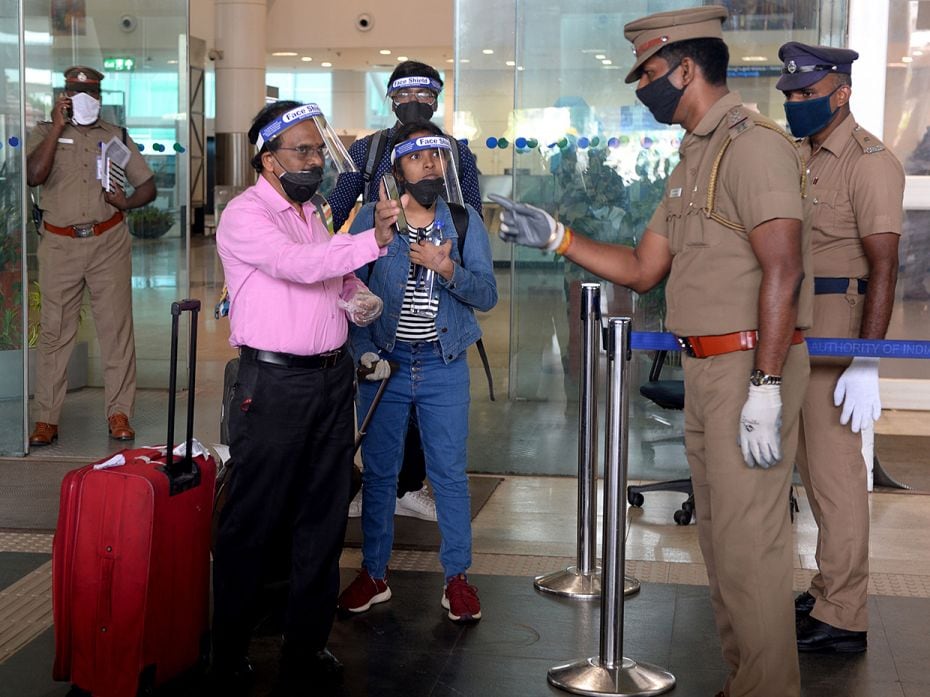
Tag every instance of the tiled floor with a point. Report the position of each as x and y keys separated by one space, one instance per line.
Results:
x=526 y=528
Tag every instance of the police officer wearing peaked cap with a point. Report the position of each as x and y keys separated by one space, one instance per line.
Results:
x=733 y=244
x=85 y=243
x=857 y=189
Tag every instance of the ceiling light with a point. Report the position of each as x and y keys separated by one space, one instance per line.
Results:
x=284 y=53
x=520 y=68
x=755 y=59
x=465 y=60
x=917 y=53
x=510 y=63
x=450 y=60
x=326 y=64
x=907 y=59
x=385 y=51
x=401 y=59
x=600 y=56
x=306 y=59
x=607 y=61
x=172 y=62
x=487 y=51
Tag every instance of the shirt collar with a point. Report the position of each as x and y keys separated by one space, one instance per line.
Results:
x=715 y=114
x=837 y=140
x=270 y=195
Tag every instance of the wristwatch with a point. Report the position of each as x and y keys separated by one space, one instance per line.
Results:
x=757 y=378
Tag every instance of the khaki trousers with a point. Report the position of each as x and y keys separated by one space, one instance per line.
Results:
x=743 y=520
x=835 y=478
x=104 y=266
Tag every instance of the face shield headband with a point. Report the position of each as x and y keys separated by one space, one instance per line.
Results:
x=335 y=150
x=414 y=82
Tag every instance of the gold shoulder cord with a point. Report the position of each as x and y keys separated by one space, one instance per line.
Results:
x=711 y=204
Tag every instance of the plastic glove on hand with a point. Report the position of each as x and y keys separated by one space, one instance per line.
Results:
x=760 y=426
x=364 y=308
x=527 y=225
x=857 y=391
x=374 y=367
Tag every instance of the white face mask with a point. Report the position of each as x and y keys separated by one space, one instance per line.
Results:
x=85 y=109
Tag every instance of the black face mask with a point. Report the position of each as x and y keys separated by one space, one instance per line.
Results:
x=426 y=191
x=661 y=97
x=300 y=186
x=409 y=112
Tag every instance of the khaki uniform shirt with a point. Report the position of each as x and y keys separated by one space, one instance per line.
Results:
x=72 y=194
x=713 y=284
x=856 y=187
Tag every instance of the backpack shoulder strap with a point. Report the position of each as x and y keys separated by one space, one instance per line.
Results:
x=323 y=210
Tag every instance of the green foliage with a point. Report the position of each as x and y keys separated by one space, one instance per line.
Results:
x=149 y=222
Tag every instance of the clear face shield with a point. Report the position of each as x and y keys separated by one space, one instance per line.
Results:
x=336 y=159
x=412 y=98
x=425 y=167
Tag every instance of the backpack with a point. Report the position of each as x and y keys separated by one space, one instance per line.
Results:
x=376 y=147
x=460 y=221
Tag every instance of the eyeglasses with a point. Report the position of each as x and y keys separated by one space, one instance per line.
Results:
x=424 y=96
x=308 y=152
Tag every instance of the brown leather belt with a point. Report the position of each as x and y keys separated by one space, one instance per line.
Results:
x=704 y=346
x=88 y=229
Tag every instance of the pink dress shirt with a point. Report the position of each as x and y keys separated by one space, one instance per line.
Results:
x=286 y=275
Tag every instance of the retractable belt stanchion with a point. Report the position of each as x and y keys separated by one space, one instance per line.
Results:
x=609 y=673
x=583 y=581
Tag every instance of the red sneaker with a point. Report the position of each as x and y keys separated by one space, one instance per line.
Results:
x=363 y=592
x=460 y=598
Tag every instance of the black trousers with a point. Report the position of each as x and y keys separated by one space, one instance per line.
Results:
x=291 y=437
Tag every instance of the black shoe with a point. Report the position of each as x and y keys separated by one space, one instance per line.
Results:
x=803 y=604
x=814 y=635
x=232 y=677
x=307 y=672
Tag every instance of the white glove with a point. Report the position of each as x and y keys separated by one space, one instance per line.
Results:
x=857 y=391
x=380 y=368
x=528 y=225
x=760 y=426
x=364 y=308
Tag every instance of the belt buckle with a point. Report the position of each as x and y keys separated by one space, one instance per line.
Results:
x=83 y=230
x=685 y=344
x=330 y=358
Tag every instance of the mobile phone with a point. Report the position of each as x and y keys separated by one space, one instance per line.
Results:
x=390 y=186
x=69 y=114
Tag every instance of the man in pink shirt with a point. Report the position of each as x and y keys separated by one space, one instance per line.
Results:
x=292 y=293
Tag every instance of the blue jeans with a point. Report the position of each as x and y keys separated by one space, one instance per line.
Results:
x=439 y=393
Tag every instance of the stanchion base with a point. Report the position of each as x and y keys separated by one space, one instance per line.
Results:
x=630 y=586
x=630 y=679
x=571 y=583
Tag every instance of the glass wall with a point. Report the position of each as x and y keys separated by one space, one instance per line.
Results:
x=141 y=48
x=907 y=133
x=13 y=299
x=540 y=92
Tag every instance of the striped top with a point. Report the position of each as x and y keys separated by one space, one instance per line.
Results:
x=411 y=327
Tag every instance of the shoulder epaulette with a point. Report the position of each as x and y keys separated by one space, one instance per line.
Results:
x=739 y=121
x=869 y=143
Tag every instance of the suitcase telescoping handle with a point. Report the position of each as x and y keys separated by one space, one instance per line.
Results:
x=182 y=474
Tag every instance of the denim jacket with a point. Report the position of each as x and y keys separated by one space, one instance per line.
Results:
x=472 y=286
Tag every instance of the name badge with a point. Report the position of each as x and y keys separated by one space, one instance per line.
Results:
x=66 y=141
x=675 y=193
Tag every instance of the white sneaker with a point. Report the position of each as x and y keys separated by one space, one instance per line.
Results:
x=417 y=504
x=355 y=506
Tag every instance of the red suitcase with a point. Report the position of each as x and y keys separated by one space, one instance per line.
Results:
x=131 y=561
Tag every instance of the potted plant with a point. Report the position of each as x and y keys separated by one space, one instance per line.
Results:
x=149 y=222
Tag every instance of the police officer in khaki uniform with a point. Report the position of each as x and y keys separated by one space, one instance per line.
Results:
x=84 y=243
x=856 y=187
x=729 y=234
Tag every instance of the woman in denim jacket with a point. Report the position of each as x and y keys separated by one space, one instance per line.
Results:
x=429 y=374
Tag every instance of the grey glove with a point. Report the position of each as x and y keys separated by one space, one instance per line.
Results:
x=528 y=225
x=380 y=368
